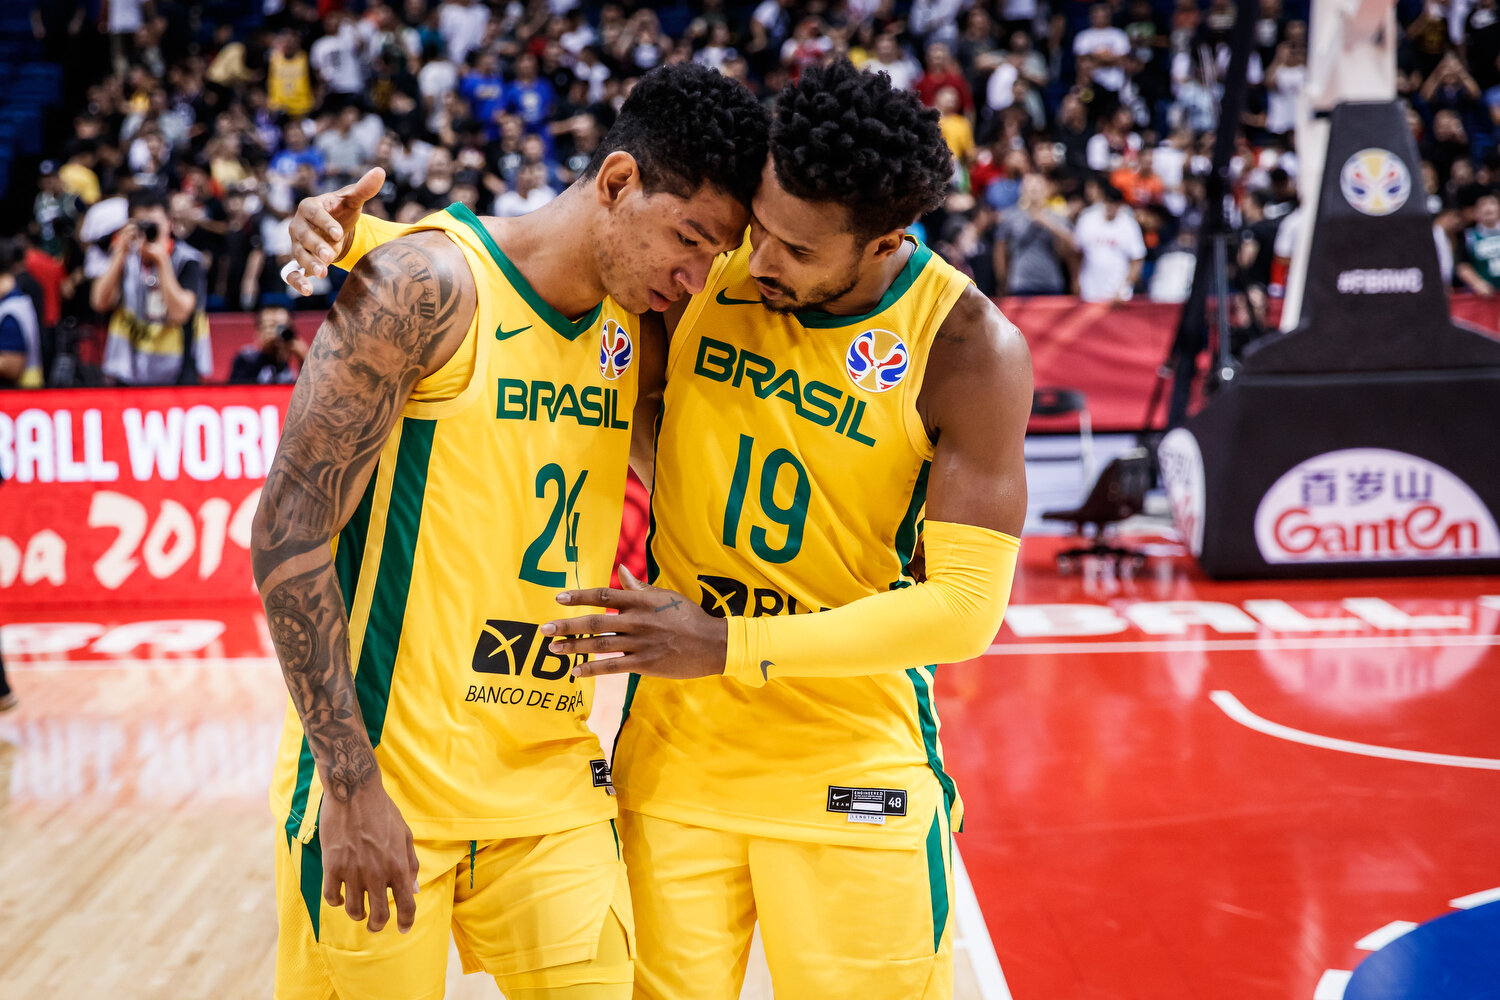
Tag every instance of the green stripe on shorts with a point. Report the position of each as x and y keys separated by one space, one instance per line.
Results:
x=937 y=881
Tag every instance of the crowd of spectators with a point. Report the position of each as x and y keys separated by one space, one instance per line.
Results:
x=1082 y=133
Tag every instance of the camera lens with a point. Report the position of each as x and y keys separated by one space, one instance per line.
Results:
x=287 y=334
x=150 y=231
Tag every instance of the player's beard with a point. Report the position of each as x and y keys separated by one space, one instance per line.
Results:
x=814 y=299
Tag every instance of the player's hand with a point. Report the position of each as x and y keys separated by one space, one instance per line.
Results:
x=660 y=632
x=368 y=851
x=323 y=227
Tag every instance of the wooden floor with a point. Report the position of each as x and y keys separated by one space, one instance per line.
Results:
x=1175 y=788
x=135 y=837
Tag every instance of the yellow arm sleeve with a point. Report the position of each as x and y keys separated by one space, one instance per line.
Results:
x=952 y=615
x=369 y=233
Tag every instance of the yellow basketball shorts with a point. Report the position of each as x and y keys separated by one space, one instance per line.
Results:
x=549 y=917
x=836 y=921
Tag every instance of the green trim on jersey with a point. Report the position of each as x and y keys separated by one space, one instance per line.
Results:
x=350 y=553
x=914 y=264
x=653 y=570
x=906 y=534
x=306 y=767
x=937 y=881
x=928 y=722
x=630 y=686
x=312 y=881
x=382 y=639
x=347 y=559
x=566 y=328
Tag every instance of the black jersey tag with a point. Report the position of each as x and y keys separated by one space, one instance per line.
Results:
x=867 y=801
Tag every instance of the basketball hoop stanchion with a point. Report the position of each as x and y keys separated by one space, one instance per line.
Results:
x=1356 y=441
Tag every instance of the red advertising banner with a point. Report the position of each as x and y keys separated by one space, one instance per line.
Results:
x=117 y=496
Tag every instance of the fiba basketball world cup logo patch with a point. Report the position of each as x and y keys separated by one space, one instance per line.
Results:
x=1375 y=181
x=615 y=350
x=877 y=360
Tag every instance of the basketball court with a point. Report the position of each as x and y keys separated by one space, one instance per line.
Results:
x=1175 y=788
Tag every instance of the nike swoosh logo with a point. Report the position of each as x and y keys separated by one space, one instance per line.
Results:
x=725 y=300
x=763 y=665
x=503 y=334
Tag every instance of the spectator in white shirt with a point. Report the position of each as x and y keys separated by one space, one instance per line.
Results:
x=936 y=20
x=336 y=56
x=462 y=23
x=1285 y=79
x=1021 y=61
x=718 y=51
x=591 y=70
x=1112 y=250
x=530 y=193
x=888 y=58
x=437 y=77
x=579 y=34
x=1115 y=143
x=1104 y=47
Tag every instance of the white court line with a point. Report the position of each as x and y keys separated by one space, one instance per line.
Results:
x=1268 y=642
x=975 y=936
x=1332 y=985
x=1474 y=899
x=1376 y=940
x=1239 y=713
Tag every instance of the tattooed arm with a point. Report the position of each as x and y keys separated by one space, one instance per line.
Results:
x=402 y=313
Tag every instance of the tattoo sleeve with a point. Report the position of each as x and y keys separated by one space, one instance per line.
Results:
x=401 y=305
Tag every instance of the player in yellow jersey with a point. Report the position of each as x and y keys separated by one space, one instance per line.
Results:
x=837 y=398
x=454 y=454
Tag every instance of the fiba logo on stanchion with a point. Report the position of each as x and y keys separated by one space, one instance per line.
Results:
x=615 y=350
x=1375 y=181
x=877 y=360
x=1362 y=504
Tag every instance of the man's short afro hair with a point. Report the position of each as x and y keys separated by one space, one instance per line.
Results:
x=688 y=125
x=846 y=136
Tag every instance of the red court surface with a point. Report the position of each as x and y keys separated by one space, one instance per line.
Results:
x=1176 y=788
x=1128 y=839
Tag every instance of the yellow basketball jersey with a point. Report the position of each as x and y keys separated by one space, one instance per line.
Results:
x=791 y=473
x=483 y=506
x=288 y=85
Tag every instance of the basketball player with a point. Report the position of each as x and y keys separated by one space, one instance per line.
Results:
x=833 y=383
x=454 y=455
x=835 y=396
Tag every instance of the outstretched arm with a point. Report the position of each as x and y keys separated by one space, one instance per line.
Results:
x=401 y=314
x=975 y=402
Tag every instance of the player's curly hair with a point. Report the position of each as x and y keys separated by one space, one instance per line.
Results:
x=846 y=136
x=688 y=125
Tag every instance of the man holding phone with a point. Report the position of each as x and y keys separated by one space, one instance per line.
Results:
x=153 y=291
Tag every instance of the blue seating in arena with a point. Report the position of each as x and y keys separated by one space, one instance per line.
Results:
x=31 y=89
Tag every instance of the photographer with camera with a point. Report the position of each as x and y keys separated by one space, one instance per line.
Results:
x=268 y=362
x=153 y=291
